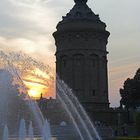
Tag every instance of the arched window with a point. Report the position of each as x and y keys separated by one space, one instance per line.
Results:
x=78 y=71
x=93 y=60
x=93 y=92
x=78 y=60
x=64 y=61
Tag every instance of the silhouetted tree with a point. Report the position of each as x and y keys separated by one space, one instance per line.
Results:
x=130 y=93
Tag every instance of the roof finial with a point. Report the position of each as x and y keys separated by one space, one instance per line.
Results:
x=81 y=1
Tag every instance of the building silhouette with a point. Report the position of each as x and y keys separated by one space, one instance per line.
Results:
x=81 y=55
x=81 y=62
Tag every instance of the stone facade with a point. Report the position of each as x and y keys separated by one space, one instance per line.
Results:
x=81 y=56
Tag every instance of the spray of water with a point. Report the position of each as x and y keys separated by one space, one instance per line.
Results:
x=46 y=132
x=30 y=131
x=5 y=133
x=13 y=63
x=17 y=64
x=22 y=130
x=81 y=111
x=21 y=66
x=71 y=116
x=23 y=63
x=85 y=126
x=75 y=114
x=32 y=103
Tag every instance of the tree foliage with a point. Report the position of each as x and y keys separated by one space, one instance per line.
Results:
x=130 y=93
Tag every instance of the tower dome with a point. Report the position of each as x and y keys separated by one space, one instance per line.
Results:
x=80 y=1
x=81 y=17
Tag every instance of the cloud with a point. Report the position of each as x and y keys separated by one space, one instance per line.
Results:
x=27 y=25
x=24 y=16
x=39 y=46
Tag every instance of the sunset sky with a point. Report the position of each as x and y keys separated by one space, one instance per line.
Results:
x=27 y=26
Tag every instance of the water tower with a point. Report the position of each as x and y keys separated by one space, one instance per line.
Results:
x=81 y=55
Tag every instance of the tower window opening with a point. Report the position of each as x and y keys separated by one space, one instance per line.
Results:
x=93 y=60
x=64 y=63
x=93 y=92
x=78 y=62
x=63 y=60
x=93 y=63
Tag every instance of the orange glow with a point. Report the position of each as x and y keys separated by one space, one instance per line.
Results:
x=41 y=73
x=38 y=82
x=35 y=89
x=31 y=76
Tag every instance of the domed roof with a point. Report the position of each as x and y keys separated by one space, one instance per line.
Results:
x=80 y=1
x=80 y=12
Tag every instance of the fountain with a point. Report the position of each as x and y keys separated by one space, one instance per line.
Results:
x=30 y=132
x=85 y=126
x=21 y=110
x=22 y=130
x=46 y=132
x=5 y=133
x=15 y=103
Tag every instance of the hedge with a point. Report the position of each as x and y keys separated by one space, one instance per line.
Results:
x=125 y=138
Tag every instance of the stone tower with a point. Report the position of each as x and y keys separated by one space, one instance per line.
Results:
x=81 y=55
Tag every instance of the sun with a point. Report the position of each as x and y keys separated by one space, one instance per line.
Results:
x=33 y=93
x=35 y=89
x=38 y=83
